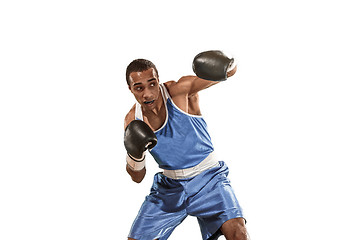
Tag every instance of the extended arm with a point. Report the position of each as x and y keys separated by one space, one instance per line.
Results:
x=210 y=67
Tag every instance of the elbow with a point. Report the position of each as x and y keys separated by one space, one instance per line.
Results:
x=137 y=180
x=136 y=176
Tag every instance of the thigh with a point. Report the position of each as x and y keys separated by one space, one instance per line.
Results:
x=215 y=203
x=214 y=195
x=161 y=212
x=152 y=222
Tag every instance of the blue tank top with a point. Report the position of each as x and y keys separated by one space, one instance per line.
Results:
x=183 y=140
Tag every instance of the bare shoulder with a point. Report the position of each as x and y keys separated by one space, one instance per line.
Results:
x=181 y=86
x=185 y=81
x=169 y=84
x=130 y=116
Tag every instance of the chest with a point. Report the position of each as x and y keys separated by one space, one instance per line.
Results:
x=155 y=120
x=186 y=104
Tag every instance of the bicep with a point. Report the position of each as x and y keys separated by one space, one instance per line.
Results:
x=192 y=84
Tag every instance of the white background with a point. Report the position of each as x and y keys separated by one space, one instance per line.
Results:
x=287 y=123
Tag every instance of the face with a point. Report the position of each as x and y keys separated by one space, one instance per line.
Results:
x=145 y=87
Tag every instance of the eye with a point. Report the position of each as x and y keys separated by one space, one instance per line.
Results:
x=138 y=88
x=152 y=84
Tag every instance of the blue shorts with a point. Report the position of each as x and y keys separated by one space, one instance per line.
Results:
x=207 y=196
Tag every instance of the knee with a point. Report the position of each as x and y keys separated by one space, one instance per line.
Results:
x=240 y=233
x=237 y=231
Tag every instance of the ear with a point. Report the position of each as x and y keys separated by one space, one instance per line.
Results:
x=129 y=87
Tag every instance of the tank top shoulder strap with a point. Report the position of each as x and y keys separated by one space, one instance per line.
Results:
x=138 y=112
x=164 y=92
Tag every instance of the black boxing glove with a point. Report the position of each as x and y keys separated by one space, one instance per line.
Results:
x=137 y=139
x=212 y=65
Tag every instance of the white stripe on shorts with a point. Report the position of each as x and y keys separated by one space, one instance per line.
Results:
x=209 y=162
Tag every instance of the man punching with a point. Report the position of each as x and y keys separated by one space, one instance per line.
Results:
x=167 y=121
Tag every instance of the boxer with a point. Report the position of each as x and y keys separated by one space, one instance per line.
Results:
x=166 y=121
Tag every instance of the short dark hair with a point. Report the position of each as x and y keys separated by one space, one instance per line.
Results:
x=139 y=65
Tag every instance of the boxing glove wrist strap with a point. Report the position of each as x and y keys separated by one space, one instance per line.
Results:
x=134 y=163
x=232 y=66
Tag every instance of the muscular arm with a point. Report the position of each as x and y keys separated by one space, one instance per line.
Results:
x=136 y=176
x=191 y=85
x=214 y=66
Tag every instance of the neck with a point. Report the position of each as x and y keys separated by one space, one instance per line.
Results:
x=158 y=108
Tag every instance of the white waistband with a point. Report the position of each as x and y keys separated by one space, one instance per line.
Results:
x=209 y=162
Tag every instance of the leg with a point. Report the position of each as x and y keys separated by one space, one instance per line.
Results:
x=214 y=202
x=162 y=211
x=234 y=229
